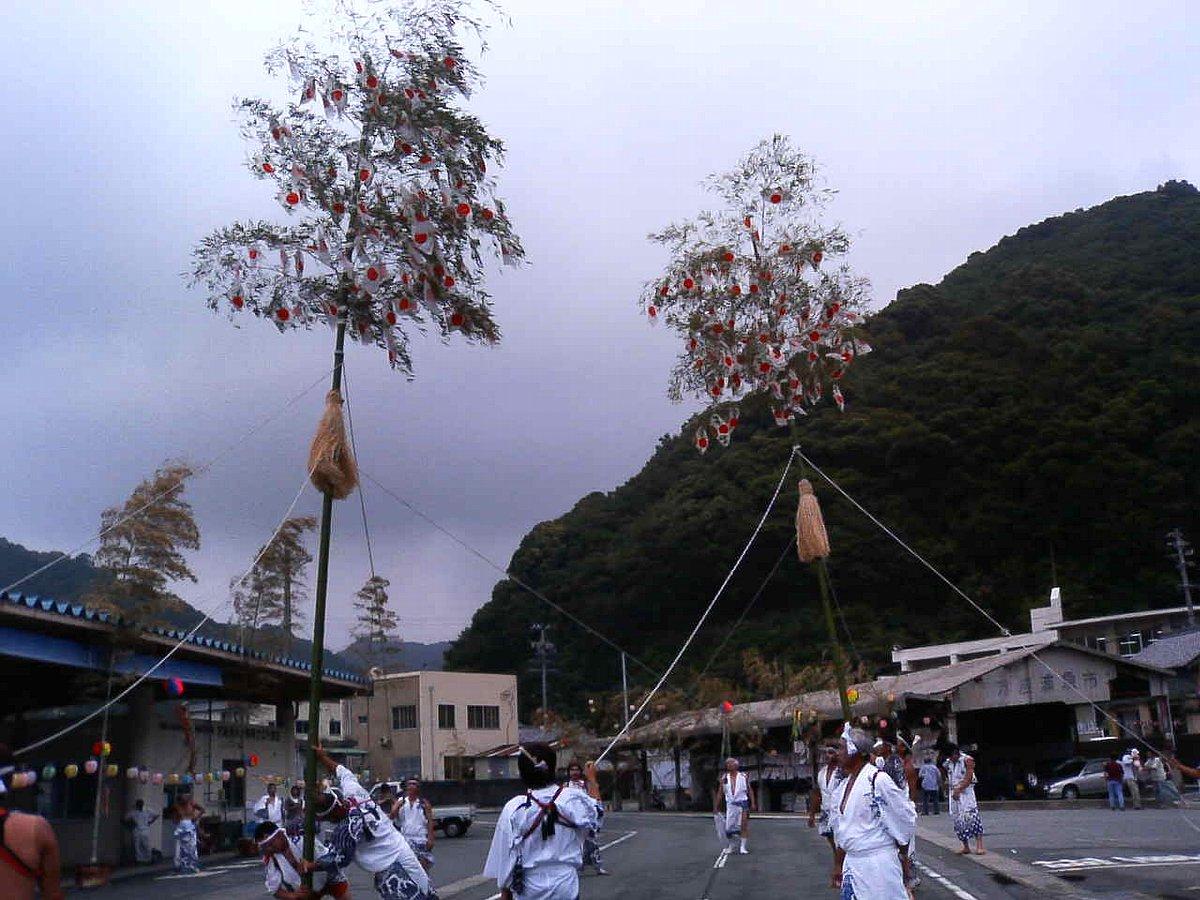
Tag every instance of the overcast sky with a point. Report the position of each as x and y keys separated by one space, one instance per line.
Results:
x=943 y=125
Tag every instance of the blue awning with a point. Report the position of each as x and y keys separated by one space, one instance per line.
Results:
x=61 y=651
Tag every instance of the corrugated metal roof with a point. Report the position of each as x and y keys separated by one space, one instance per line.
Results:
x=1172 y=652
x=70 y=610
x=936 y=682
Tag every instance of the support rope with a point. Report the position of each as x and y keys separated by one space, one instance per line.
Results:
x=704 y=616
x=207 y=617
x=1134 y=736
x=200 y=470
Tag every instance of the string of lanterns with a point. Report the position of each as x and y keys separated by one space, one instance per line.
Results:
x=23 y=778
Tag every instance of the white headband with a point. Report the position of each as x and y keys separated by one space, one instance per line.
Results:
x=850 y=748
x=4 y=773
x=270 y=837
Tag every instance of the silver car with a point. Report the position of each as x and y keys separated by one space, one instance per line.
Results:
x=1077 y=777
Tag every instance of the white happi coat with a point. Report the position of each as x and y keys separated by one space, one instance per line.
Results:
x=737 y=800
x=827 y=782
x=877 y=820
x=551 y=865
x=410 y=818
x=368 y=837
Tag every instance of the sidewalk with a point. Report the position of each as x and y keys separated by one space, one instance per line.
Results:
x=166 y=867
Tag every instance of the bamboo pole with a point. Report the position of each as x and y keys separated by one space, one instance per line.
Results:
x=318 y=642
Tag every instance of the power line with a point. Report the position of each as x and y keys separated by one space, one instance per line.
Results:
x=503 y=571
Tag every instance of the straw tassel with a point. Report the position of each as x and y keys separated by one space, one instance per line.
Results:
x=334 y=471
x=811 y=540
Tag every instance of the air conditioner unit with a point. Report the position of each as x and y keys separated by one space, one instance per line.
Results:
x=385 y=741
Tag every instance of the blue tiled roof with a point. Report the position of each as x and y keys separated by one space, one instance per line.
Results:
x=70 y=610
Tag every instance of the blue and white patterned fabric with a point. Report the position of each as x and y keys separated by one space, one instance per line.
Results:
x=396 y=883
x=187 y=851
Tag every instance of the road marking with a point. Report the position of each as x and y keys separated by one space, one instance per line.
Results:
x=718 y=864
x=203 y=873
x=1117 y=862
x=945 y=882
x=623 y=837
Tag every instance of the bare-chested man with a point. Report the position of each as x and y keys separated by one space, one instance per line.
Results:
x=185 y=813
x=29 y=859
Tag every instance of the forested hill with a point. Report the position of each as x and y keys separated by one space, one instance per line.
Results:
x=1036 y=410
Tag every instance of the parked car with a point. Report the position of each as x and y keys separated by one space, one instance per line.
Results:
x=1077 y=777
x=452 y=821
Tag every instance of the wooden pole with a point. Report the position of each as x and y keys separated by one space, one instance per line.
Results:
x=318 y=642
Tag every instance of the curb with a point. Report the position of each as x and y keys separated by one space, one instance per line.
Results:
x=1022 y=873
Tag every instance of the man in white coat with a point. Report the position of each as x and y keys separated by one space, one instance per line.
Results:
x=738 y=802
x=873 y=822
x=140 y=821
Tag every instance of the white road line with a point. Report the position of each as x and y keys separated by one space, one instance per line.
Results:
x=623 y=837
x=945 y=882
x=722 y=858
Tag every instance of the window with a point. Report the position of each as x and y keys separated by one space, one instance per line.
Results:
x=1090 y=680
x=302 y=726
x=406 y=766
x=335 y=727
x=485 y=718
x=1047 y=683
x=1131 y=643
x=234 y=788
x=404 y=718
x=459 y=768
x=446 y=715
x=362 y=720
x=1069 y=678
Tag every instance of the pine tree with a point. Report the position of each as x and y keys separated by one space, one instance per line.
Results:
x=377 y=623
x=274 y=590
x=142 y=544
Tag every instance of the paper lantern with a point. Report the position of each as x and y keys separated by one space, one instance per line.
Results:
x=208 y=779
x=865 y=719
x=883 y=723
x=175 y=687
x=226 y=774
x=101 y=748
x=727 y=707
x=48 y=772
x=156 y=778
x=111 y=770
x=852 y=695
x=70 y=770
x=187 y=778
x=144 y=775
x=926 y=720
x=253 y=760
x=240 y=772
x=172 y=778
x=891 y=698
x=91 y=767
x=131 y=773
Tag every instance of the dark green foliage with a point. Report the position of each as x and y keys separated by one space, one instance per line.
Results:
x=68 y=580
x=1042 y=400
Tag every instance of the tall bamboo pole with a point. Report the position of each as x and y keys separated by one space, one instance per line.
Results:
x=318 y=641
x=823 y=585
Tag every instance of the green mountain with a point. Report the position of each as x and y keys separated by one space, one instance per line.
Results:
x=1035 y=412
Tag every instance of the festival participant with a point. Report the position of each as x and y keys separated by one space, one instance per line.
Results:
x=185 y=813
x=140 y=821
x=364 y=834
x=964 y=808
x=29 y=858
x=270 y=807
x=293 y=810
x=911 y=782
x=738 y=802
x=931 y=785
x=537 y=848
x=281 y=867
x=1131 y=771
x=414 y=817
x=591 y=847
x=873 y=821
x=828 y=778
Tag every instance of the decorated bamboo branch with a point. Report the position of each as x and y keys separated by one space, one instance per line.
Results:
x=755 y=292
x=389 y=215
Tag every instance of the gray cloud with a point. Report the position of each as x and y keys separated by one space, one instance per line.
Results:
x=943 y=127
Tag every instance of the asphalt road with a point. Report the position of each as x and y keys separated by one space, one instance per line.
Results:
x=671 y=856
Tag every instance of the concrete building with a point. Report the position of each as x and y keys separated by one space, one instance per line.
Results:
x=1123 y=634
x=1023 y=708
x=434 y=724
x=1181 y=654
x=237 y=703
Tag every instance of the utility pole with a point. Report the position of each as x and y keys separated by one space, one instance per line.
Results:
x=625 y=687
x=543 y=650
x=1182 y=552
